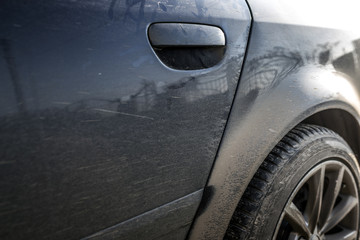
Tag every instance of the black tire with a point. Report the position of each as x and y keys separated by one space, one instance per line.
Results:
x=311 y=170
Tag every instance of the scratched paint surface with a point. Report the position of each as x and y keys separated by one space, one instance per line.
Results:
x=94 y=128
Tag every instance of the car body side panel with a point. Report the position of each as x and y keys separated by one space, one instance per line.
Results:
x=95 y=129
x=294 y=67
x=170 y=221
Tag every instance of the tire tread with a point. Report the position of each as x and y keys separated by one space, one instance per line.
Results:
x=250 y=203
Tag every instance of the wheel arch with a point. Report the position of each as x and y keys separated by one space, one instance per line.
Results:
x=340 y=121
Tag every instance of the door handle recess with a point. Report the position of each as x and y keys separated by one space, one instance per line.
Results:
x=187 y=46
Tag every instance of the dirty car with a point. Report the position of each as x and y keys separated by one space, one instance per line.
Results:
x=179 y=119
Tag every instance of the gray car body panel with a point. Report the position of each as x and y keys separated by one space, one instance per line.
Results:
x=301 y=60
x=100 y=139
x=95 y=130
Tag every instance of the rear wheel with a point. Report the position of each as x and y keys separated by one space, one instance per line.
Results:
x=307 y=188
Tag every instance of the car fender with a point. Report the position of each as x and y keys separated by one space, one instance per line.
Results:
x=260 y=117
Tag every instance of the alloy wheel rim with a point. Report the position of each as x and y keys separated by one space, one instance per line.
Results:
x=324 y=205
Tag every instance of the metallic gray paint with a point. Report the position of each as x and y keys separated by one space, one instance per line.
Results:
x=185 y=34
x=165 y=220
x=294 y=68
x=94 y=129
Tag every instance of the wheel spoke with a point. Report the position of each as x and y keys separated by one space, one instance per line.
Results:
x=316 y=186
x=332 y=192
x=295 y=218
x=345 y=234
x=346 y=204
x=293 y=236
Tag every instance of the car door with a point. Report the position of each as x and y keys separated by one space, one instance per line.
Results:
x=111 y=113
